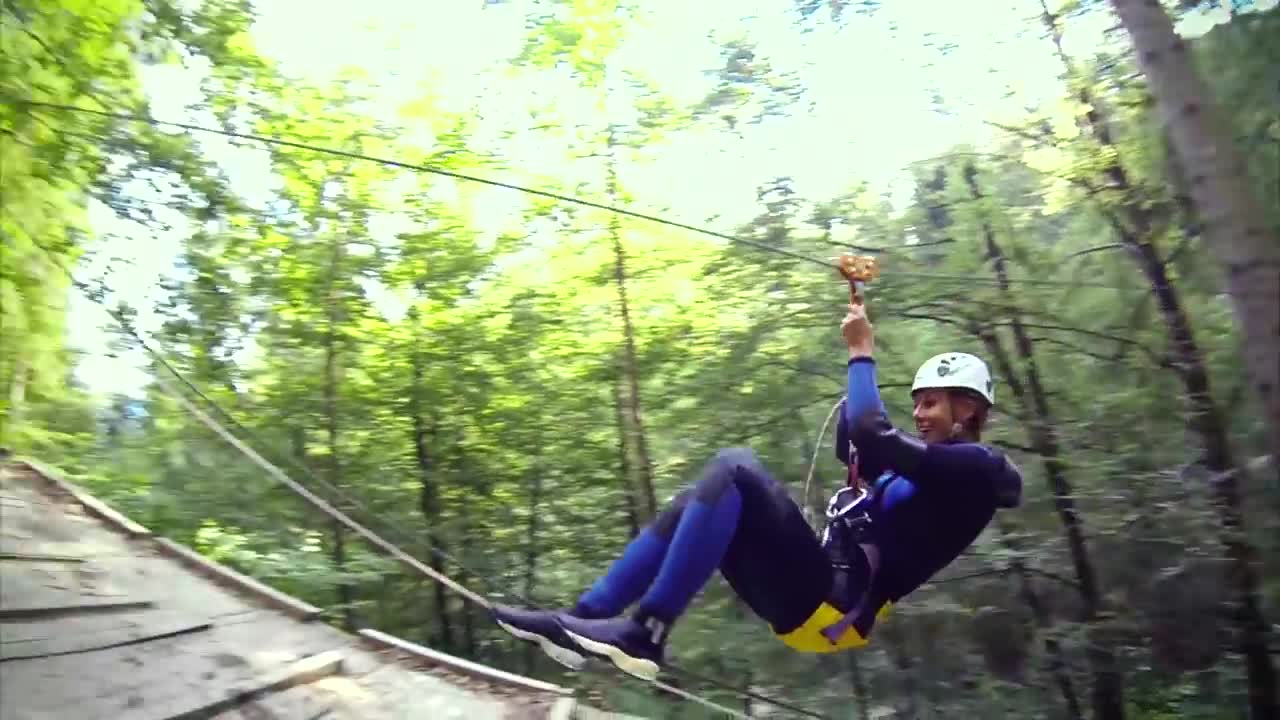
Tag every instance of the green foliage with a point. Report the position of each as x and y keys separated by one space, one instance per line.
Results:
x=453 y=379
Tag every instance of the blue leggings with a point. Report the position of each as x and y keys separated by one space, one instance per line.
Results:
x=737 y=518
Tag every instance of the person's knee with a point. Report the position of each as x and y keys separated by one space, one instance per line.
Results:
x=664 y=526
x=722 y=472
x=735 y=457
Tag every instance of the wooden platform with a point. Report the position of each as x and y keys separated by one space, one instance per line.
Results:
x=100 y=619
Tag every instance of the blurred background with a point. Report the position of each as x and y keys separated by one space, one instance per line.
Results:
x=511 y=383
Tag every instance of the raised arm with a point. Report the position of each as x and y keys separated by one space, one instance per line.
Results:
x=862 y=396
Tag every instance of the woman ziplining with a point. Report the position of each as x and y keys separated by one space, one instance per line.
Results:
x=931 y=498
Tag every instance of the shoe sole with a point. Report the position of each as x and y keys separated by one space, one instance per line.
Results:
x=562 y=655
x=637 y=667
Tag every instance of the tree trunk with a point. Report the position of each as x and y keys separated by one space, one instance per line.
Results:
x=1231 y=219
x=17 y=393
x=1057 y=664
x=907 y=706
x=1206 y=421
x=636 y=440
x=429 y=497
x=859 y=688
x=1108 y=683
x=531 y=551
x=346 y=593
x=467 y=609
x=629 y=492
x=1192 y=131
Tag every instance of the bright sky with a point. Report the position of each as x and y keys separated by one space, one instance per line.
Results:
x=867 y=113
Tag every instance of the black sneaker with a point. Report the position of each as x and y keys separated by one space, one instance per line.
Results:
x=634 y=644
x=540 y=626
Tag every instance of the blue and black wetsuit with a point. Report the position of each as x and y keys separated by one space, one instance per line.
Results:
x=932 y=501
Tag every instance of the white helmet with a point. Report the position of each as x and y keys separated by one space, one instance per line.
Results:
x=958 y=371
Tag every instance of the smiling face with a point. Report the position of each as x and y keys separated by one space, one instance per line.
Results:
x=938 y=411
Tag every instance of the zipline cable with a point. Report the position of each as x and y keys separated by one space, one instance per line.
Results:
x=435 y=171
x=189 y=127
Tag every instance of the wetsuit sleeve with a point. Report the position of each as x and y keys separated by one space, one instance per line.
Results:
x=862 y=396
x=936 y=466
x=990 y=467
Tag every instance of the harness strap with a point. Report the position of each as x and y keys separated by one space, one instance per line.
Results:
x=860 y=616
x=871 y=599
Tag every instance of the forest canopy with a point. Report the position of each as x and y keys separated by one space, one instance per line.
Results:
x=509 y=385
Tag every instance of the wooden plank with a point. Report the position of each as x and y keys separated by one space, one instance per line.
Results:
x=8 y=614
x=286 y=603
x=12 y=502
x=95 y=506
x=161 y=678
x=270 y=634
x=457 y=664
x=28 y=630
x=49 y=638
x=39 y=557
x=563 y=709
x=49 y=524
x=393 y=692
x=30 y=544
x=150 y=573
x=298 y=673
x=32 y=585
x=301 y=701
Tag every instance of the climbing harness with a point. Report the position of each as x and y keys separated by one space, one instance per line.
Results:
x=850 y=521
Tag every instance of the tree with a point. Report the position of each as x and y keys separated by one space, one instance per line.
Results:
x=1232 y=219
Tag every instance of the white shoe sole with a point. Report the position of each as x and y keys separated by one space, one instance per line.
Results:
x=637 y=667
x=564 y=656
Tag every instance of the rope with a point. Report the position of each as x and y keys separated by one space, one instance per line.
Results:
x=813 y=464
x=317 y=501
x=437 y=171
x=965 y=279
x=702 y=701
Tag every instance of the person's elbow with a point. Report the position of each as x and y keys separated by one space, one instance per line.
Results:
x=1007 y=484
x=882 y=447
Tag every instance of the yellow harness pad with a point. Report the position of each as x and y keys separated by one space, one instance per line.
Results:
x=808 y=637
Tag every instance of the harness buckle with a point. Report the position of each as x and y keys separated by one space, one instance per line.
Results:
x=849 y=519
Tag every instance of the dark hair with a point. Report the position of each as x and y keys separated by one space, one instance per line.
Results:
x=974 y=423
